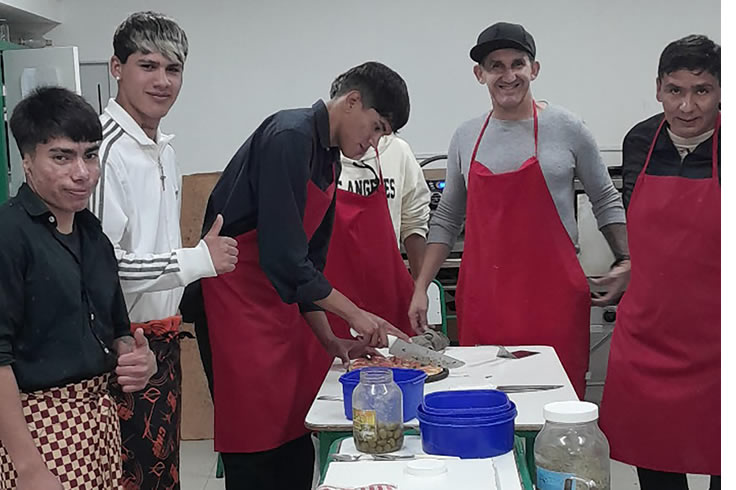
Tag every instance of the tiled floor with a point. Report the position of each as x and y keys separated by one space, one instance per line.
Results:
x=198 y=465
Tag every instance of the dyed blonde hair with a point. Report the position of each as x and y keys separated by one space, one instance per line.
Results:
x=150 y=32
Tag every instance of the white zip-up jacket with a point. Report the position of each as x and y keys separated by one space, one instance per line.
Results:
x=406 y=190
x=138 y=201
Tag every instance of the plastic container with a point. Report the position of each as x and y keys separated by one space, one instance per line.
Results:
x=469 y=402
x=465 y=434
x=410 y=382
x=377 y=412
x=461 y=419
x=571 y=450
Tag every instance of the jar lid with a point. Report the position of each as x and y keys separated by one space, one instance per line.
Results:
x=571 y=412
x=426 y=467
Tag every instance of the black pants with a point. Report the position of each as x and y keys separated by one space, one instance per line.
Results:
x=192 y=310
x=288 y=467
x=662 y=480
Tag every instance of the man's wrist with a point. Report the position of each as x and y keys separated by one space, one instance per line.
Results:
x=353 y=314
x=421 y=284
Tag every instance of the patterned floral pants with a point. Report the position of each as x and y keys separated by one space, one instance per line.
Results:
x=150 y=420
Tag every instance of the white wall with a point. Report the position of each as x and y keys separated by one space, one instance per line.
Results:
x=251 y=58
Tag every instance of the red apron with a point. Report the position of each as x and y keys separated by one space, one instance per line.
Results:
x=363 y=261
x=267 y=364
x=661 y=407
x=520 y=279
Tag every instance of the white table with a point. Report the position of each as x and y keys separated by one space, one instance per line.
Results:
x=543 y=368
x=328 y=417
x=361 y=472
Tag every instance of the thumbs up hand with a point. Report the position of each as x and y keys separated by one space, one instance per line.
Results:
x=223 y=249
x=136 y=362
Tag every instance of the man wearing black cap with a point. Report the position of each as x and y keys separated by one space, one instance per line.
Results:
x=510 y=178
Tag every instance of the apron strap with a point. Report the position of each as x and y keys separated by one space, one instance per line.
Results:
x=536 y=129
x=480 y=136
x=378 y=164
x=485 y=125
x=651 y=147
x=716 y=133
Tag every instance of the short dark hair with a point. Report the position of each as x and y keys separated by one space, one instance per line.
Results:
x=380 y=88
x=53 y=112
x=150 y=32
x=695 y=53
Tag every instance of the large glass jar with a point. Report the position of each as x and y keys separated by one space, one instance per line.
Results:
x=571 y=452
x=377 y=412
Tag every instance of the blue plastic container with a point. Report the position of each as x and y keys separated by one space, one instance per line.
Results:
x=462 y=419
x=410 y=381
x=469 y=402
x=456 y=430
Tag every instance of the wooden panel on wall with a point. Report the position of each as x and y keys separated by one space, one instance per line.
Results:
x=197 y=413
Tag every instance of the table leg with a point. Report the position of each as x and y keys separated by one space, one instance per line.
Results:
x=220 y=472
x=521 y=464
x=529 y=437
x=325 y=441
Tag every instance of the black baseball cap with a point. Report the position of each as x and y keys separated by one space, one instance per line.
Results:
x=503 y=35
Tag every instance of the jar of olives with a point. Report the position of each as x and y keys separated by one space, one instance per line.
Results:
x=377 y=412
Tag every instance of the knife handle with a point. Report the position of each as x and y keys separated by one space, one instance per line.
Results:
x=391 y=338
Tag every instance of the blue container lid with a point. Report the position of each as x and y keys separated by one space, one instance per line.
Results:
x=401 y=376
x=471 y=402
x=466 y=419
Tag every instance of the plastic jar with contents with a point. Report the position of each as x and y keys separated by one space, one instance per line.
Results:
x=571 y=452
x=377 y=412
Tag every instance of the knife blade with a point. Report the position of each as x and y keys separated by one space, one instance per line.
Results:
x=407 y=350
x=526 y=388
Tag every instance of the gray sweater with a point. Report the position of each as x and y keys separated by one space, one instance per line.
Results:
x=566 y=150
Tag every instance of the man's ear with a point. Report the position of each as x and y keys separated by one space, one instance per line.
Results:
x=659 y=89
x=535 y=69
x=353 y=100
x=478 y=72
x=116 y=67
x=27 y=160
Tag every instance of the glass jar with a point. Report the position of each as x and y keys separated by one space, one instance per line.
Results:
x=377 y=412
x=571 y=452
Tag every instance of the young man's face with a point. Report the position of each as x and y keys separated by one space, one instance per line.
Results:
x=361 y=128
x=63 y=173
x=507 y=73
x=148 y=85
x=690 y=101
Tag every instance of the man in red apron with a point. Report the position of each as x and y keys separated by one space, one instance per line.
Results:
x=382 y=200
x=510 y=178
x=661 y=407
x=277 y=197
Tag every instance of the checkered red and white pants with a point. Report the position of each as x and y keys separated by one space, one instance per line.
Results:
x=77 y=432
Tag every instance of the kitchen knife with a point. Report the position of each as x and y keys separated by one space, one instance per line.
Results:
x=407 y=350
x=414 y=352
x=526 y=388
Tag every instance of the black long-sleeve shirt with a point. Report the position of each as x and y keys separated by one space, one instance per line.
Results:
x=264 y=187
x=61 y=306
x=665 y=157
